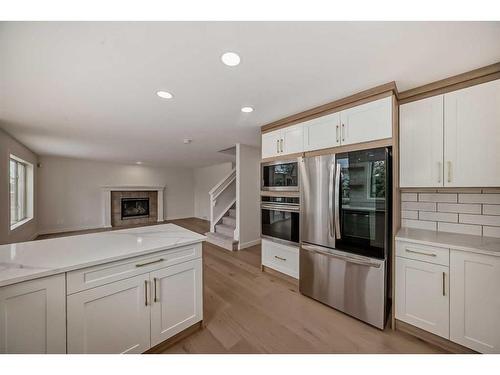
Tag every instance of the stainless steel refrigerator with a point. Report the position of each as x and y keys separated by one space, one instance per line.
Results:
x=346 y=231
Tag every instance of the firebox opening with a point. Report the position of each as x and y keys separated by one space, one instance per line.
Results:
x=133 y=208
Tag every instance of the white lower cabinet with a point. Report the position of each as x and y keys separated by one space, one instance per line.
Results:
x=33 y=316
x=281 y=257
x=475 y=301
x=177 y=299
x=422 y=297
x=113 y=318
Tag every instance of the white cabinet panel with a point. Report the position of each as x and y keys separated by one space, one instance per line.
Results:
x=177 y=299
x=421 y=143
x=472 y=136
x=281 y=257
x=112 y=318
x=293 y=139
x=322 y=132
x=367 y=122
x=475 y=301
x=422 y=295
x=33 y=316
x=271 y=144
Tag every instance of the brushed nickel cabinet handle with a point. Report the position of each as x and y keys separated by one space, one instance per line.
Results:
x=343 y=132
x=156 y=299
x=337 y=133
x=420 y=252
x=444 y=284
x=278 y=146
x=449 y=171
x=148 y=263
x=440 y=172
x=281 y=144
x=145 y=292
x=280 y=258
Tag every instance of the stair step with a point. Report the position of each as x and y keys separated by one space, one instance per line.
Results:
x=229 y=220
x=232 y=212
x=221 y=240
x=224 y=229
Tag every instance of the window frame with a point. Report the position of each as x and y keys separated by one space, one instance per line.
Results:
x=28 y=192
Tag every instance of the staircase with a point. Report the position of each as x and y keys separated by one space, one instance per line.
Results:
x=223 y=213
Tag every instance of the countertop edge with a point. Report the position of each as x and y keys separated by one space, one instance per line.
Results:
x=58 y=271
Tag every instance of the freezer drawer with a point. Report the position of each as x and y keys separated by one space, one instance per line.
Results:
x=350 y=283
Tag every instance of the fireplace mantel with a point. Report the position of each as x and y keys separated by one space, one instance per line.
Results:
x=106 y=199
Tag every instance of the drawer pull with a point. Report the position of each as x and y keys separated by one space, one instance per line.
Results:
x=148 y=263
x=146 y=292
x=280 y=258
x=156 y=299
x=420 y=252
x=444 y=284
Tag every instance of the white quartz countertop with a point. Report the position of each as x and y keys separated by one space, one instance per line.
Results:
x=30 y=260
x=456 y=241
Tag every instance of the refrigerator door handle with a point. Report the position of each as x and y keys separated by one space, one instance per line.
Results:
x=330 y=200
x=337 y=199
x=359 y=261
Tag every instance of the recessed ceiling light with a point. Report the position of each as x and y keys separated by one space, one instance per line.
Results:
x=164 y=94
x=231 y=59
x=138 y=162
x=246 y=109
x=187 y=141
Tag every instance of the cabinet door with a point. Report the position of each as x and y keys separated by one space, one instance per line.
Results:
x=33 y=317
x=421 y=143
x=322 y=132
x=475 y=301
x=177 y=299
x=422 y=295
x=113 y=318
x=271 y=144
x=293 y=139
x=472 y=136
x=367 y=122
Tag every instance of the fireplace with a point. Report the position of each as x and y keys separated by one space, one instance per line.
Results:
x=134 y=208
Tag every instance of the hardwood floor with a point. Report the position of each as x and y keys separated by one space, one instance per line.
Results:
x=250 y=311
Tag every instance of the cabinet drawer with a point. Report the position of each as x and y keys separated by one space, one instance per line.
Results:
x=92 y=277
x=282 y=258
x=425 y=253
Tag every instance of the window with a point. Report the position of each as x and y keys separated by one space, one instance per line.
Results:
x=21 y=191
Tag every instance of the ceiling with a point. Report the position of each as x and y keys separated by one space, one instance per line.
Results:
x=87 y=89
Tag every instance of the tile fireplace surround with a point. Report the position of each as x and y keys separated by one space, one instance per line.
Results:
x=111 y=197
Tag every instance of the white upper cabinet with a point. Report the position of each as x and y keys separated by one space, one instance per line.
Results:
x=475 y=301
x=421 y=143
x=33 y=317
x=367 y=122
x=271 y=144
x=472 y=136
x=292 y=139
x=322 y=132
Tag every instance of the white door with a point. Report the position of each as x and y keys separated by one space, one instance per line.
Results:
x=422 y=295
x=113 y=318
x=322 y=132
x=271 y=144
x=475 y=301
x=293 y=139
x=421 y=143
x=367 y=122
x=472 y=136
x=33 y=316
x=177 y=295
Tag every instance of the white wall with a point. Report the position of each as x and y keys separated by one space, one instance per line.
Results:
x=70 y=190
x=247 y=195
x=28 y=231
x=204 y=180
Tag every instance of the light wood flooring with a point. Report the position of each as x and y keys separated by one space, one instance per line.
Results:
x=250 y=311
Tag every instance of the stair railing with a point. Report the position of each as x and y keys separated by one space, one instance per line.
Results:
x=223 y=186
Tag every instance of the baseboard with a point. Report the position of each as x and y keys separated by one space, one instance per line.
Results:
x=242 y=246
x=279 y=274
x=70 y=229
x=34 y=236
x=162 y=346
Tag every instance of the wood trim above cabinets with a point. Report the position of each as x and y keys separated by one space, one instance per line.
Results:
x=460 y=81
x=354 y=147
x=362 y=97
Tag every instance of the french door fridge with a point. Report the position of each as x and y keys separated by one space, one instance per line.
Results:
x=345 y=231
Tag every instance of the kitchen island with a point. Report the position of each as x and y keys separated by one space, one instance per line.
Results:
x=122 y=291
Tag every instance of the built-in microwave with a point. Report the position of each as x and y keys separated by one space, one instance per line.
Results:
x=280 y=175
x=280 y=219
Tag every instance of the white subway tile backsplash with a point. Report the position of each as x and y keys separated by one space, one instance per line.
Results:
x=460 y=208
x=491 y=231
x=437 y=197
x=409 y=214
x=416 y=206
x=479 y=198
x=491 y=209
x=480 y=219
x=408 y=197
x=460 y=228
x=438 y=216
x=408 y=223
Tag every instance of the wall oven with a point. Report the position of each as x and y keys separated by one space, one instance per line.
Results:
x=280 y=219
x=280 y=175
